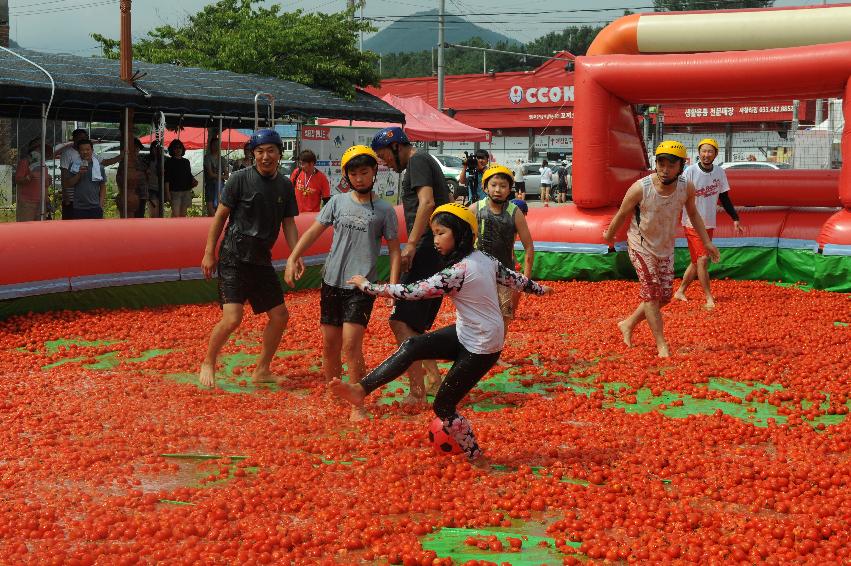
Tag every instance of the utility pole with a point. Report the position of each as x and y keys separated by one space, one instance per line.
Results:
x=441 y=62
x=363 y=2
x=126 y=41
x=5 y=125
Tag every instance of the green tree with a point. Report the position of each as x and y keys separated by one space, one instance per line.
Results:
x=314 y=49
x=684 y=5
x=574 y=39
x=458 y=61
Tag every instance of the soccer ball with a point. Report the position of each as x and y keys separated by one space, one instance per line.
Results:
x=442 y=442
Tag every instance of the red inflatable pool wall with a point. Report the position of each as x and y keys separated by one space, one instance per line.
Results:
x=39 y=251
x=609 y=154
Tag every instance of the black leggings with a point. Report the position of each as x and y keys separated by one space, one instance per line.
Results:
x=441 y=344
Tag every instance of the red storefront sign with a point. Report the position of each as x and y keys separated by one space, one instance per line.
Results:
x=502 y=100
x=545 y=97
x=776 y=111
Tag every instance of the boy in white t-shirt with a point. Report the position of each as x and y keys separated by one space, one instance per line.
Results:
x=655 y=203
x=710 y=186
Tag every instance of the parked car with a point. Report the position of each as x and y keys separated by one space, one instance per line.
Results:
x=763 y=165
x=287 y=167
x=451 y=167
x=532 y=177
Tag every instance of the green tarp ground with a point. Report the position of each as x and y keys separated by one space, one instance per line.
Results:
x=830 y=273
x=535 y=549
x=494 y=393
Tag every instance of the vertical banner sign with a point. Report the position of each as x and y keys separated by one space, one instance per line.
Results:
x=330 y=142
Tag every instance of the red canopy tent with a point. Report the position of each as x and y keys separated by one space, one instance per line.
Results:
x=196 y=138
x=422 y=122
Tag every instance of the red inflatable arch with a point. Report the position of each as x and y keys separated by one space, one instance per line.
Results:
x=609 y=153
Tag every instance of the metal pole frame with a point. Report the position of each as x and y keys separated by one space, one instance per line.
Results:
x=159 y=135
x=441 y=60
x=219 y=167
x=126 y=160
x=43 y=165
x=270 y=115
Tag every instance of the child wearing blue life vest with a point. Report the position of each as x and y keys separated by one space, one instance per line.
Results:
x=500 y=221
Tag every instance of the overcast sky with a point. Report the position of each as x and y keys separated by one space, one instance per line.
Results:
x=67 y=25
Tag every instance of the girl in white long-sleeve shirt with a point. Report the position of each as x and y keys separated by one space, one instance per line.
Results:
x=473 y=343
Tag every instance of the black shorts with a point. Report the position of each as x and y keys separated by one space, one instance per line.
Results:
x=338 y=305
x=257 y=284
x=520 y=186
x=420 y=315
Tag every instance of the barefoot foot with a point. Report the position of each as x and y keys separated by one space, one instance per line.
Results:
x=709 y=305
x=432 y=384
x=261 y=376
x=358 y=414
x=414 y=399
x=664 y=351
x=207 y=375
x=626 y=330
x=680 y=297
x=350 y=392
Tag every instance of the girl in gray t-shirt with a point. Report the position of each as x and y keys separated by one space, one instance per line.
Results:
x=360 y=221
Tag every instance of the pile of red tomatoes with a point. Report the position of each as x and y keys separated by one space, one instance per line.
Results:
x=95 y=466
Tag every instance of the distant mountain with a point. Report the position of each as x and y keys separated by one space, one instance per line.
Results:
x=418 y=32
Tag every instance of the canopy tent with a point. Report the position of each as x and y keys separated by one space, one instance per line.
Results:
x=88 y=89
x=197 y=138
x=422 y=122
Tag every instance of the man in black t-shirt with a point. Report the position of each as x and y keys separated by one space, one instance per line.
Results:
x=256 y=202
x=423 y=189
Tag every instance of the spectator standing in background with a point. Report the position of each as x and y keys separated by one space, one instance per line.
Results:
x=246 y=161
x=215 y=174
x=520 y=180
x=312 y=188
x=70 y=154
x=133 y=205
x=546 y=182
x=179 y=180
x=88 y=178
x=28 y=176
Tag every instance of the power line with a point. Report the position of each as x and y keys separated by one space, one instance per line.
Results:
x=458 y=46
x=484 y=22
x=63 y=9
x=46 y=3
x=542 y=12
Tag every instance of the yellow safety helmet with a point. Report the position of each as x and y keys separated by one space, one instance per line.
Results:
x=355 y=151
x=493 y=170
x=708 y=141
x=674 y=148
x=458 y=210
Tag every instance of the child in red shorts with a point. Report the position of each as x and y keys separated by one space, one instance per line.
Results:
x=710 y=186
x=656 y=202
